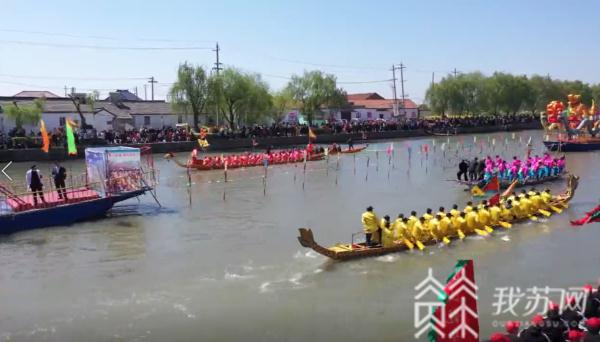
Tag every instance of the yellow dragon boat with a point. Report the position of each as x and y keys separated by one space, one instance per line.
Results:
x=360 y=250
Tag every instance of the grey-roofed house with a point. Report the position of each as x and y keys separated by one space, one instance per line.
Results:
x=105 y=115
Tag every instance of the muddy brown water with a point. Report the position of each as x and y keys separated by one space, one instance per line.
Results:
x=232 y=269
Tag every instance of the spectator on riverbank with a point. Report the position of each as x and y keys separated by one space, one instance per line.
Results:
x=177 y=134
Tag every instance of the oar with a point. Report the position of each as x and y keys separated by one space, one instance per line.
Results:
x=409 y=244
x=481 y=232
x=420 y=245
x=556 y=209
x=489 y=229
x=505 y=224
x=545 y=212
x=446 y=240
x=461 y=235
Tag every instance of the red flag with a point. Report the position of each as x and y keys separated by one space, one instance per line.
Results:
x=493 y=185
x=494 y=200
x=591 y=216
x=458 y=318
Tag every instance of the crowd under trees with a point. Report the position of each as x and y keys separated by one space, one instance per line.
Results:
x=502 y=94
x=239 y=98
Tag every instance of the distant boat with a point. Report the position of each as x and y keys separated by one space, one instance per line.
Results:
x=579 y=145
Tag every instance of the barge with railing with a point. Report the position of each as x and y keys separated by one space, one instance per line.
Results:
x=113 y=175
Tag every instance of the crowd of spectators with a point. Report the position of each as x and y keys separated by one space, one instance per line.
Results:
x=22 y=139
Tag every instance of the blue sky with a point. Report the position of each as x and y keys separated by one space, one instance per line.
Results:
x=356 y=40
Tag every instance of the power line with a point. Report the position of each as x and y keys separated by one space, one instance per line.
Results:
x=55 y=34
x=325 y=65
x=363 y=82
x=73 y=78
x=102 y=47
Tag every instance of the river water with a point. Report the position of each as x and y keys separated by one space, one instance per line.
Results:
x=229 y=266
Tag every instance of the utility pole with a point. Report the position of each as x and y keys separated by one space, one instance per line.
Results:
x=66 y=91
x=218 y=64
x=394 y=87
x=432 y=79
x=455 y=72
x=145 y=93
x=217 y=68
x=402 y=67
x=152 y=81
x=135 y=90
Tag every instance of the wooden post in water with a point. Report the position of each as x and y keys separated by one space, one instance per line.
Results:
x=224 y=180
x=327 y=161
x=354 y=155
x=377 y=157
x=367 y=175
x=304 y=170
x=189 y=184
x=265 y=180
x=337 y=168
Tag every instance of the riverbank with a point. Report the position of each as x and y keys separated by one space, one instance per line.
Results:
x=222 y=144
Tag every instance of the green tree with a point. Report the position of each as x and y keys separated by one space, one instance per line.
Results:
x=313 y=90
x=438 y=97
x=240 y=97
x=89 y=99
x=25 y=114
x=190 y=93
x=282 y=102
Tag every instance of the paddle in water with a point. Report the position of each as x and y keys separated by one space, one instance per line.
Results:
x=556 y=209
x=545 y=212
x=481 y=232
x=505 y=224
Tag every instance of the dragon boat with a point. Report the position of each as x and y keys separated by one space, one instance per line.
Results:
x=348 y=151
x=360 y=250
x=245 y=160
x=504 y=184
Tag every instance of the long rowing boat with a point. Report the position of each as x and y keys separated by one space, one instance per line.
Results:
x=505 y=184
x=350 y=150
x=198 y=164
x=360 y=250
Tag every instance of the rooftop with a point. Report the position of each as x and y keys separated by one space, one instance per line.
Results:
x=36 y=94
x=376 y=101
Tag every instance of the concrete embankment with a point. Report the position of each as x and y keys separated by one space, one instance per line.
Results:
x=222 y=144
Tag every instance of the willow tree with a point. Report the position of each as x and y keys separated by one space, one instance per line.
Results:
x=240 y=97
x=190 y=93
x=315 y=90
x=23 y=114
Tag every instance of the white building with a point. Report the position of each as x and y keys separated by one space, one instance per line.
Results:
x=116 y=112
x=365 y=107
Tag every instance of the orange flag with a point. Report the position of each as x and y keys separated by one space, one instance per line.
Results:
x=45 y=138
x=311 y=134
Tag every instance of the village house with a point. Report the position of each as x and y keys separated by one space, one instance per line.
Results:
x=365 y=107
x=121 y=110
